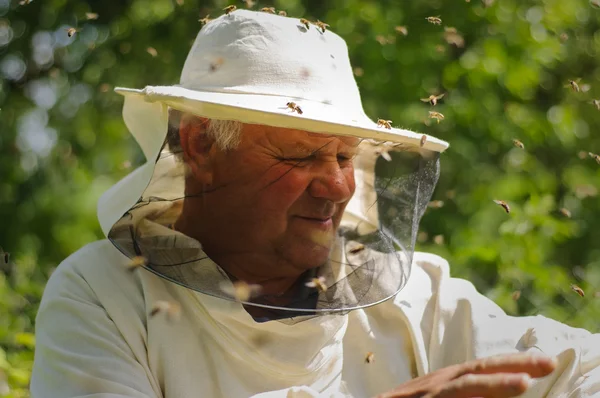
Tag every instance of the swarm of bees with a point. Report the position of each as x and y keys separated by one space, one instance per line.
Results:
x=436 y=115
x=172 y=310
x=503 y=204
x=433 y=99
x=229 y=9
x=317 y=283
x=384 y=123
x=240 y=290
x=294 y=107
x=434 y=20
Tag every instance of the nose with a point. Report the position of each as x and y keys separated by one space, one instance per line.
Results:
x=332 y=183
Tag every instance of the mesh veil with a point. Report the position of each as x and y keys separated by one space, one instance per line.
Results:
x=370 y=259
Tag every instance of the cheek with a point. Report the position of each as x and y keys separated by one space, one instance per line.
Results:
x=282 y=188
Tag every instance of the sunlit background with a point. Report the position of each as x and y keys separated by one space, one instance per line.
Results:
x=510 y=69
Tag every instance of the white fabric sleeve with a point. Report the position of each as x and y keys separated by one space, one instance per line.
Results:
x=79 y=350
x=464 y=324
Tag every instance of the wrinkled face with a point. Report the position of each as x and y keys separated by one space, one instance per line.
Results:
x=279 y=195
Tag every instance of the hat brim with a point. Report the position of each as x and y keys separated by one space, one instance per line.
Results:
x=272 y=110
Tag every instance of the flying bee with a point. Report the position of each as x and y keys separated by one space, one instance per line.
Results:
x=574 y=84
x=240 y=290
x=294 y=107
x=595 y=3
x=25 y=2
x=249 y=3
x=384 y=123
x=318 y=283
x=516 y=295
x=137 y=262
x=322 y=25
x=402 y=30
x=436 y=115
x=438 y=239
x=565 y=212
x=90 y=16
x=436 y=204
x=152 y=51
x=503 y=204
x=578 y=290
x=434 y=20
x=4 y=256
x=71 y=31
x=282 y=13
x=433 y=99
x=423 y=140
x=370 y=358
x=305 y=22
x=270 y=10
x=229 y=9
x=171 y=309
x=205 y=20
x=596 y=103
x=595 y=157
x=357 y=249
x=518 y=143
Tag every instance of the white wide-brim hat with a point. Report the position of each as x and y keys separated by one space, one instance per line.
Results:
x=227 y=76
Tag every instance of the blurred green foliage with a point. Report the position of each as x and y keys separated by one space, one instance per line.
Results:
x=62 y=140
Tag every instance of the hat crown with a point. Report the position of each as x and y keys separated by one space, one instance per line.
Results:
x=260 y=53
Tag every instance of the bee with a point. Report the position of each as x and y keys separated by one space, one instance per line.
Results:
x=384 y=123
x=595 y=3
x=438 y=239
x=370 y=358
x=574 y=85
x=172 y=309
x=357 y=249
x=402 y=30
x=596 y=102
x=318 y=283
x=433 y=99
x=205 y=20
x=565 y=212
x=294 y=107
x=322 y=25
x=305 y=22
x=152 y=51
x=436 y=115
x=71 y=31
x=249 y=3
x=595 y=157
x=423 y=140
x=436 y=204
x=137 y=262
x=358 y=71
x=216 y=64
x=25 y=2
x=4 y=256
x=578 y=290
x=229 y=9
x=518 y=144
x=240 y=290
x=282 y=13
x=516 y=295
x=503 y=204
x=90 y=16
x=434 y=20
x=270 y=10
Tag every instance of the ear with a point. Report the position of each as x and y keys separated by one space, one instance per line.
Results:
x=196 y=146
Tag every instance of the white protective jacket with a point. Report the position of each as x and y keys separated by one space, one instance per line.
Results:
x=96 y=339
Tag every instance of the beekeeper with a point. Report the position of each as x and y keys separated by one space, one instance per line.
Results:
x=277 y=223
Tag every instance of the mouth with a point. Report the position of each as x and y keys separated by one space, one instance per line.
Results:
x=322 y=222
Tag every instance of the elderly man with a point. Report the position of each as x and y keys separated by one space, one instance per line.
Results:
x=278 y=224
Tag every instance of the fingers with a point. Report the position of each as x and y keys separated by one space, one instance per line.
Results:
x=533 y=365
x=489 y=386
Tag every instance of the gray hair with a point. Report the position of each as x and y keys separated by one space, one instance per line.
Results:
x=226 y=133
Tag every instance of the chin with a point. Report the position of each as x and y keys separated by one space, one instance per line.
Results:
x=309 y=256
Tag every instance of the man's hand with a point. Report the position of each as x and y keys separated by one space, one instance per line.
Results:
x=494 y=377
